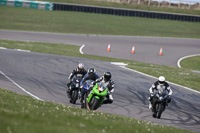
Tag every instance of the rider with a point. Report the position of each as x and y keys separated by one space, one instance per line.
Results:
x=106 y=78
x=160 y=83
x=79 y=70
x=91 y=75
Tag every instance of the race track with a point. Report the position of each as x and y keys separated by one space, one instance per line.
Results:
x=45 y=76
x=146 y=48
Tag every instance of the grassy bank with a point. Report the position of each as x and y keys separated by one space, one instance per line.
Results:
x=192 y=63
x=128 y=6
x=176 y=75
x=13 y=18
x=20 y=113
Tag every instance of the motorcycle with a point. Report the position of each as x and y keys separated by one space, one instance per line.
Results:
x=159 y=102
x=96 y=96
x=85 y=92
x=75 y=89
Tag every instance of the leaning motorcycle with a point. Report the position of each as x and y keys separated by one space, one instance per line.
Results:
x=159 y=102
x=75 y=88
x=96 y=96
x=85 y=92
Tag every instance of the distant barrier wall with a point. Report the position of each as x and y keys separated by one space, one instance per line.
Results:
x=125 y=12
x=28 y=4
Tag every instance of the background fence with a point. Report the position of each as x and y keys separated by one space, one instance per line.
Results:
x=125 y=12
x=100 y=10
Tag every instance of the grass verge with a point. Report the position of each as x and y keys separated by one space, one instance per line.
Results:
x=13 y=18
x=176 y=75
x=192 y=63
x=20 y=113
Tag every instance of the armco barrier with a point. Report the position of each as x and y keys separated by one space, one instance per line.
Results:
x=125 y=12
x=28 y=4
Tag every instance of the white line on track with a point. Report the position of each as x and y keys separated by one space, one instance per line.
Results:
x=157 y=78
x=22 y=50
x=21 y=87
x=179 y=61
x=81 y=49
x=2 y=48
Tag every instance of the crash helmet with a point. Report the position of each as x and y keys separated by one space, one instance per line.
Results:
x=161 y=80
x=80 y=66
x=107 y=76
x=91 y=71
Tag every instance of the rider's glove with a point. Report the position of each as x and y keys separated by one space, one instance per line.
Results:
x=81 y=86
x=111 y=91
x=91 y=85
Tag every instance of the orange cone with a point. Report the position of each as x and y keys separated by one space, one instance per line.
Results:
x=161 y=51
x=133 y=49
x=108 y=49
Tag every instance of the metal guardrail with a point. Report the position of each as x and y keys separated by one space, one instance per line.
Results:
x=125 y=12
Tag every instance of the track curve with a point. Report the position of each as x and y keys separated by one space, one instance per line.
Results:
x=45 y=76
x=146 y=48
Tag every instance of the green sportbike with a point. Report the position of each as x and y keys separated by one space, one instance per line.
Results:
x=96 y=96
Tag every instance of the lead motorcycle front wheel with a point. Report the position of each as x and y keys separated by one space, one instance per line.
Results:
x=96 y=103
x=160 y=110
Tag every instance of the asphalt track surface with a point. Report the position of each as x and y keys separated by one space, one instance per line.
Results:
x=146 y=48
x=45 y=76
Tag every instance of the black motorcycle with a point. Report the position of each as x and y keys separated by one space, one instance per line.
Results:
x=75 y=89
x=159 y=102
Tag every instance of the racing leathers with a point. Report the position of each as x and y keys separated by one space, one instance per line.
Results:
x=156 y=86
x=109 y=84
x=77 y=72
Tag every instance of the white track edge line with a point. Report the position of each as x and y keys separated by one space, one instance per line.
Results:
x=81 y=49
x=178 y=62
x=2 y=48
x=157 y=78
x=23 y=50
x=21 y=87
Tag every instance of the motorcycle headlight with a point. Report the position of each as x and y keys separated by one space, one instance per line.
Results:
x=77 y=85
x=160 y=98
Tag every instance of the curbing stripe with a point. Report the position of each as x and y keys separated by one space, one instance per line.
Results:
x=179 y=61
x=81 y=49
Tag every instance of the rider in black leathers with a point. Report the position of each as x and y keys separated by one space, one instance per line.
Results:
x=79 y=70
x=160 y=83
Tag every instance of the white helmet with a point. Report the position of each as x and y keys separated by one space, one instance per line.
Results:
x=80 y=66
x=161 y=79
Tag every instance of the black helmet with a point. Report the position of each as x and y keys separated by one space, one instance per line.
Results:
x=107 y=76
x=91 y=71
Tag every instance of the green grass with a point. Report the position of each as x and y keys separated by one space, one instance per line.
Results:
x=128 y=6
x=22 y=114
x=192 y=63
x=176 y=75
x=13 y=18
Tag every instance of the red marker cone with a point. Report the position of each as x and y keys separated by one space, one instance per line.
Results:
x=161 y=51
x=133 y=49
x=108 y=49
